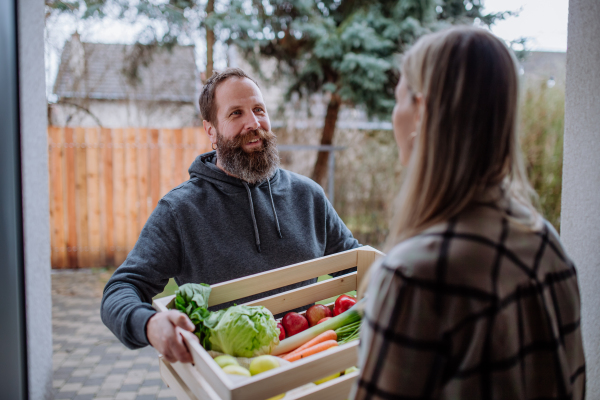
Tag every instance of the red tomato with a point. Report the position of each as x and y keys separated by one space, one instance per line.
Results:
x=343 y=303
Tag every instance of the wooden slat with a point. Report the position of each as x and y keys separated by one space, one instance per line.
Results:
x=298 y=373
x=57 y=199
x=143 y=173
x=119 y=204
x=166 y=160
x=93 y=197
x=258 y=283
x=83 y=235
x=131 y=188
x=209 y=369
x=195 y=382
x=308 y=294
x=172 y=379
x=107 y=198
x=155 y=166
x=203 y=141
x=366 y=256
x=71 y=204
x=336 y=389
x=189 y=152
x=178 y=175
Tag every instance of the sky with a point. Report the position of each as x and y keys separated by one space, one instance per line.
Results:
x=542 y=22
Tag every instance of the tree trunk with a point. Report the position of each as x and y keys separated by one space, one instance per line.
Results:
x=320 y=170
x=210 y=40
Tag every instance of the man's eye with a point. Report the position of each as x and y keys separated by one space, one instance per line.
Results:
x=258 y=109
x=237 y=112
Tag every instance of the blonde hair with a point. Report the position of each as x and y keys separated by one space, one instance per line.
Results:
x=467 y=138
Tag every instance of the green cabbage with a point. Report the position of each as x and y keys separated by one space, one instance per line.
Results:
x=240 y=331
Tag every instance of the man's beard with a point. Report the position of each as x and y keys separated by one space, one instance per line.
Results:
x=254 y=166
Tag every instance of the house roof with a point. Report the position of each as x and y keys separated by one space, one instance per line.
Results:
x=95 y=71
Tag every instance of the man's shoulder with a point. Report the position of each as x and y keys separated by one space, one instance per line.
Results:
x=299 y=182
x=184 y=192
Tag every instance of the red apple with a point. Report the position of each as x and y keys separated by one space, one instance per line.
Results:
x=323 y=320
x=281 y=331
x=294 y=323
x=316 y=313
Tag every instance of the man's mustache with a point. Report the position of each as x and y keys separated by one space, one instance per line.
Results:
x=244 y=138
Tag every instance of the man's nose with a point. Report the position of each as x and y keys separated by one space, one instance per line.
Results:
x=252 y=123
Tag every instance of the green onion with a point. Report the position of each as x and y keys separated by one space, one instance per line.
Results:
x=348 y=317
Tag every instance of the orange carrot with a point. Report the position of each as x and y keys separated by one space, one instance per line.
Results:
x=327 y=335
x=311 y=350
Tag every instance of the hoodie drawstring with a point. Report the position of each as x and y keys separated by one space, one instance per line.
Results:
x=256 y=236
x=274 y=212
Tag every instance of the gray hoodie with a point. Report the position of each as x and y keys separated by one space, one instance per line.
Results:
x=214 y=228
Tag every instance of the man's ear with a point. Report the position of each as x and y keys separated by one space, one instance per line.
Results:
x=210 y=131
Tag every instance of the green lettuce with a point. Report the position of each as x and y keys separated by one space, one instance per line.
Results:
x=240 y=331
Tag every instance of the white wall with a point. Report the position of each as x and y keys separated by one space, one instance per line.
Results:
x=36 y=212
x=580 y=219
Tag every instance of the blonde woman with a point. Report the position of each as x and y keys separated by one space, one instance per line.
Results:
x=476 y=298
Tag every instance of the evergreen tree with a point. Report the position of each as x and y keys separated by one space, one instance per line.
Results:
x=348 y=49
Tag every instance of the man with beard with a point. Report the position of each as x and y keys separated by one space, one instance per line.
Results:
x=239 y=214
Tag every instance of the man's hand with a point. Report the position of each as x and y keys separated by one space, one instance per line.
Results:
x=163 y=336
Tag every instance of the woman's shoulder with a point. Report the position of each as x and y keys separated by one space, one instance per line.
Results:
x=418 y=256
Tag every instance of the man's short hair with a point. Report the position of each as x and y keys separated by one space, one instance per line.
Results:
x=208 y=106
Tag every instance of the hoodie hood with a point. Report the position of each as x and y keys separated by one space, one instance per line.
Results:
x=205 y=167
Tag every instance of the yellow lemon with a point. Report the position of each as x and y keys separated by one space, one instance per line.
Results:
x=236 y=370
x=349 y=370
x=226 y=360
x=328 y=378
x=279 y=396
x=263 y=363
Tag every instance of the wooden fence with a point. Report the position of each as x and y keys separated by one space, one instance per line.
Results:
x=104 y=183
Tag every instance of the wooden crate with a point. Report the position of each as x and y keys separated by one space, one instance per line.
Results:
x=205 y=380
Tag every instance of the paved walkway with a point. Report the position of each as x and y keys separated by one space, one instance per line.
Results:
x=88 y=361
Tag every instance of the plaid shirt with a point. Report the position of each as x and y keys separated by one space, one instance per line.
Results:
x=475 y=308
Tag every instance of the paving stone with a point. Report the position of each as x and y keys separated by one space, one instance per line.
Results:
x=71 y=387
x=166 y=393
x=130 y=387
x=57 y=383
x=84 y=397
x=76 y=379
x=122 y=395
x=153 y=375
x=82 y=372
x=149 y=389
x=91 y=389
x=93 y=381
x=146 y=397
x=152 y=382
x=64 y=395
x=122 y=371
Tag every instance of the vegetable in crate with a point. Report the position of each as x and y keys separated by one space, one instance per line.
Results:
x=343 y=303
x=240 y=331
x=346 y=318
x=294 y=323
x=316 y=313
